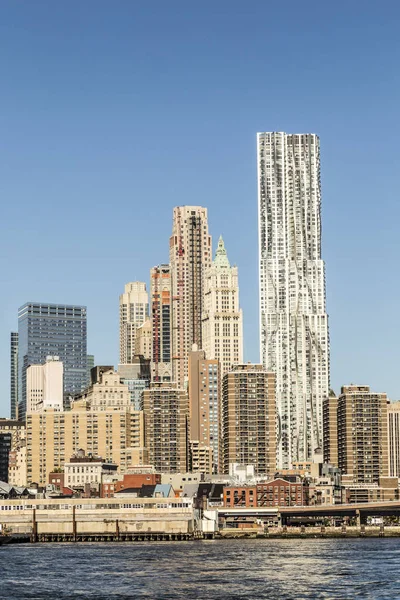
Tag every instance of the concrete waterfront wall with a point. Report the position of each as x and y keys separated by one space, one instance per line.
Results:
x=97 y=516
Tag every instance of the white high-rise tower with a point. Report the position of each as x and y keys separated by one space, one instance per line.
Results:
x=294 y=339
x=222 y=315
x=133 y=312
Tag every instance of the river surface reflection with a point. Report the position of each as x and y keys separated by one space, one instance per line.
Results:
x=257 y=569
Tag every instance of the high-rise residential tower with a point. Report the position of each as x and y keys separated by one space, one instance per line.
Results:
x=249 y=418
x=294 y=339
x=133 y=312
x=52 y=330
x=190 y=257
x=44 y=386
x=161 y=330
x=394 y=438
x=204 y=412
x=14 y=375
x=222 y=316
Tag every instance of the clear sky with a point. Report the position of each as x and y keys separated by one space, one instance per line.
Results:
x=114 y=112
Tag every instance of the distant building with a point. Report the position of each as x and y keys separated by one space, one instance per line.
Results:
x=133 y=312
x=222 y=316
x=136 y=376
x=14 y=375
x=249 y=418
x=12 y=438
x=394 y=438
x=166 y=414
x=89 y=366
x=44 y=385
x=143 y=340
x=52 y=330
x=5 y=448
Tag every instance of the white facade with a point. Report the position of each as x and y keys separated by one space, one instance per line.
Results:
x=44 y=385
x=294 y=340
x=190 y=257
x=394 y=438
x=77 y=474
x=222 y=316
x=133 y=312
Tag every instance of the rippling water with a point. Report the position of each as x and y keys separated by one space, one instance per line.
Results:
x=284 y=569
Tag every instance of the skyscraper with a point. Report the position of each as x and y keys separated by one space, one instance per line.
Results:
x=394 y=438
x=294 y=340
x=14 y=375
x=222 y=316
x=44 y=386
x=161 y=299
x=133 y=312
x=190 y=256
x=52 y=330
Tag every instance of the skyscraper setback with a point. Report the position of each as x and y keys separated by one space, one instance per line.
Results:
x=190 y=256
x=294 y=340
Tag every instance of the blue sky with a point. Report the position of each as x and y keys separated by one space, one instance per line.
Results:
x=114 y=112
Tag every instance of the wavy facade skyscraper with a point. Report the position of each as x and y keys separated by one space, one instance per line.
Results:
x=294 y=339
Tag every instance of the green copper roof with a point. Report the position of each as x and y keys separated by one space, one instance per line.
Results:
x=221 y=257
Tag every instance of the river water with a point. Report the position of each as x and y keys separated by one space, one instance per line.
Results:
x=220 y=569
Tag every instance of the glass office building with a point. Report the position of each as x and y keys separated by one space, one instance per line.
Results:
x=52 y=330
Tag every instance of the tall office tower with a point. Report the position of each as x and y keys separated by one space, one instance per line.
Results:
x=14 y=375
x=294 y=340
x=133 y=312
x=166 y=413
x=330 y=432
x=204 y=412
x=249 y=418
x=394 y=438
x=190 y=257
x=362 y=425
x=44 y=385
x=222 y=316
x=160 y=294
x=52 y=330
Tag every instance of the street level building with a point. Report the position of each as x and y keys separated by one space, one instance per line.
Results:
x=52 y=330
x=190 y=257
x=222 y=315
x=294 y=341
x=249 y=418
x=166 y=414
x=133 y=312
x=82 y=470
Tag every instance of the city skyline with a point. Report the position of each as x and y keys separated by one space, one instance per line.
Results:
x=85 y=150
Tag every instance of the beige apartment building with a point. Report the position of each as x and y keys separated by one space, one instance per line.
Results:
x=133 y=312
x=222 y=319
x=102 y=422
x=394 y=438
x=190 y=257
x=249 y=418
x=362 y=426
x=330 y=432
x=166 y=416
x=204 y=412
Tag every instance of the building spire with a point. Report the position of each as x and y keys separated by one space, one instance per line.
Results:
x=221 y=257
